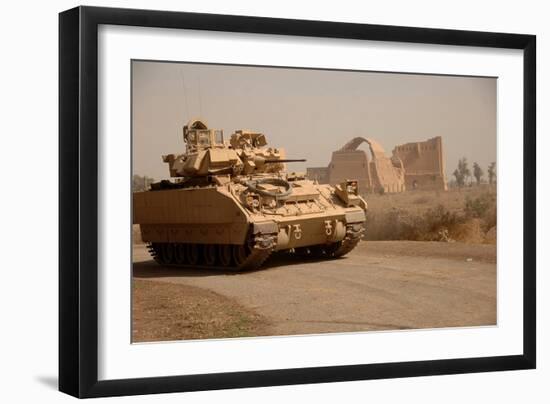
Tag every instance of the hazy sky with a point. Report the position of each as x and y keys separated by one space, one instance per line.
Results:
x=310 y=112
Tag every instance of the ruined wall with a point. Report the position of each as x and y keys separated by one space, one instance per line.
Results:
x=423 y=163
x=378 y=174
x=387 y=177
x=417 y=165
x=347 y=165
x=319 y=174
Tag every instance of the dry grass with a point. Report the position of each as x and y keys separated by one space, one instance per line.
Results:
x=169 y=312
x=467 y=215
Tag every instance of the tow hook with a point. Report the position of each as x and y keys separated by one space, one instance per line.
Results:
x=328 y=227
x=297 y=232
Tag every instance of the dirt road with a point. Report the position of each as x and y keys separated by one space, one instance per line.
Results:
x=380 y=285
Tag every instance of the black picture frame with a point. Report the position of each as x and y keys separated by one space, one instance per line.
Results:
x=78 y=201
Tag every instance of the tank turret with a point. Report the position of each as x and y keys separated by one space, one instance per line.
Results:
x=208 y=154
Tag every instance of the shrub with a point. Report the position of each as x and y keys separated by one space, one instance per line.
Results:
x=483 y=207
x=421 y=200
x=452 y=216
x=478 y=207
x=470 y=231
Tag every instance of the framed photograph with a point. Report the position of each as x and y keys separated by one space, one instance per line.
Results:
x=251 y=202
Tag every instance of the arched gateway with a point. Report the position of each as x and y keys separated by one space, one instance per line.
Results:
x=377 y=173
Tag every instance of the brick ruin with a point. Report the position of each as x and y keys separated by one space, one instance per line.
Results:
x=424 y=164
x=417 y=165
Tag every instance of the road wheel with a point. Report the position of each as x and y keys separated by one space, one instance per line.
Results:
x=332 y=249
x=240 y=254
x=317 y=251
x=192 y=253
x=168 y=253
x=224 y=252
x=179 y=254
x=302 y=252
x=210 y=253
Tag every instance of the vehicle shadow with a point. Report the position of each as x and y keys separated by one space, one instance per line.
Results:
x=282 y=261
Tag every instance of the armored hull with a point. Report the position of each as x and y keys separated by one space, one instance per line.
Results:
x=234 y=219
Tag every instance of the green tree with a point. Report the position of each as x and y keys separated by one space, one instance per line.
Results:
x=462 y=172
x=491 y=172
x=478 y=173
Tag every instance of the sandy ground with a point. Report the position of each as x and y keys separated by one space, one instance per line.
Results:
x=172 y=311
x=380 y=285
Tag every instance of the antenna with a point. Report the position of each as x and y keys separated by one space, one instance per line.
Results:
x=184 y=94
x=200 y=96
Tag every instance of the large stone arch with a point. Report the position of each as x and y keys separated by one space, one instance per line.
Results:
x=380 y=173
x=375 y=148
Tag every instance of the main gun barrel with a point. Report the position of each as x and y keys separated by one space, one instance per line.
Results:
x=267 y=161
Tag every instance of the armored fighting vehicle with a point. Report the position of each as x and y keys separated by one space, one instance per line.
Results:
x=230 y=204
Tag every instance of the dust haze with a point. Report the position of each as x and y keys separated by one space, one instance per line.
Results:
x=310 y=112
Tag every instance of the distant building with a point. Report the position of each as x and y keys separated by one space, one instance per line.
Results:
x=424 y=164
x=319 y=174
x=412 y=166
x=379 y=174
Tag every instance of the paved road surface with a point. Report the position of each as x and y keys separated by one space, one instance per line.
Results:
x=379 y=285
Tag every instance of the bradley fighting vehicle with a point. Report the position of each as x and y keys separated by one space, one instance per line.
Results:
x=232 y=203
